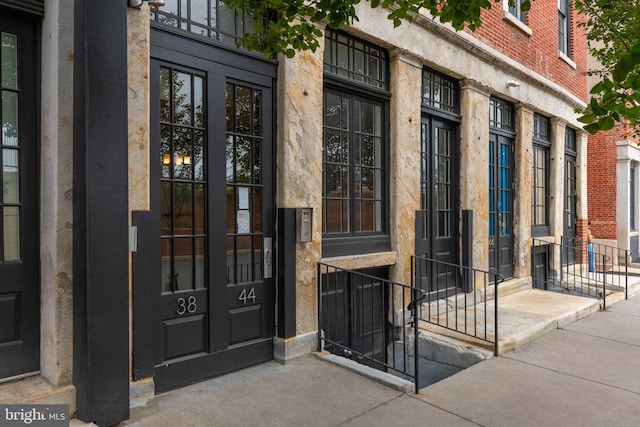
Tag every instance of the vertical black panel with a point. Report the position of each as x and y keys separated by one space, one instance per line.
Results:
x=286 y=272
x=101 y=285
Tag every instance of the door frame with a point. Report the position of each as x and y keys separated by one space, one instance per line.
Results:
x=428 y=245
x=495 y=251
x=169 y=45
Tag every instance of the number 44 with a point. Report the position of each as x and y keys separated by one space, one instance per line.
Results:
x=247 y=295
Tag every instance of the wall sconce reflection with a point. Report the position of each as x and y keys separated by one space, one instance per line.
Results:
x=180 y=159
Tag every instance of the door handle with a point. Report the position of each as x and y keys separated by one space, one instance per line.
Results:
x=268 y=258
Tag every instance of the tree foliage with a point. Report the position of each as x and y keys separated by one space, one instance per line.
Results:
x=291 y=25
x=613 y=36
x=612 y=28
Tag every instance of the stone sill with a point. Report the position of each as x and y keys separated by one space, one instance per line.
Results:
x=568 y=60
x=360 y=261
x=516 y=23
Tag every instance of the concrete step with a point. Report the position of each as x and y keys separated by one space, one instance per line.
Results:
x=522 y=316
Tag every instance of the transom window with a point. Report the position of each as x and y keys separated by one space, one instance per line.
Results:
x=209 y=18
x=502 y=115
x=570 y=140
x=355 y=146
x=440 y=92
x=355 y=59
x=540 y=181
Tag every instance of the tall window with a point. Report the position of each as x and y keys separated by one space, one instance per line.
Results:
x=209 y=18
x=540 y=190
x=564 y=27
x=516 y=10
x=355 y=145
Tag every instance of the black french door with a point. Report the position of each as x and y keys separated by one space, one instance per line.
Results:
x=212 y=217
x=437 y=221
x=19 y=220
x=501 y=205
x=570 y=209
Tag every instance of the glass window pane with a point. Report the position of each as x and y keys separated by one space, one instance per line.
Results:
x=165 y=208
x=182 y=103
x=199 y=209
x=198 y=104
x=231 y=260
x=183 y=208
x=226 y=18
x=9 y=118
x=10 y=176
x=165 y=151
x=199 y=11
x=165 y=95
x=257 y=111
x=243 y=109
x=244 y=266
x=198 y=155
x=230 y=159
x=165 y=262
x=9 y=60
x=11 y=229
x=183 y=263
x=182 y=153
x=243 y=160
x=200 y=263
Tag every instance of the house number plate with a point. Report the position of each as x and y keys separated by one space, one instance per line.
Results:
x=187 y=305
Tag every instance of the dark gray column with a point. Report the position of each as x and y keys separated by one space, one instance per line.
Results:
x=100 y=243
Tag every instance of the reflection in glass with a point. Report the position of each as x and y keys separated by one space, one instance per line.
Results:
x=11 y=229
x=165 y=95
x=183 y=263
x=243 y=110
x=244 y=266
x=200 y=263
x=182 y=208
x=182 y=105
x=231 y=262
x=165 y=262
x=165 y=208
x=9 y=60
x=198 y=213
x=10 y=176
x=9 y=118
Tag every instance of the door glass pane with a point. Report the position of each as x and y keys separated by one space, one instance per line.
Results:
x=244 y=266
x=182 y=103
x=9 y=60
x=9 y=118
x=10 y=176
x=165 y=263
x=183 y=187
x=183 y=263
x=11 y=228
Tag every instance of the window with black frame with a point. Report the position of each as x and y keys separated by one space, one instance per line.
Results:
x=212 y=19
x=355 y=146
x=540 y=179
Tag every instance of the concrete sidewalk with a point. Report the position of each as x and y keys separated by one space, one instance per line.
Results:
x=587 y=373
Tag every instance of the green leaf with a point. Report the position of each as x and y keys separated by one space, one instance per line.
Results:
x=592 y=128
x=525 y=6
x=587 y=118
x=623 y=67
x=606 y=123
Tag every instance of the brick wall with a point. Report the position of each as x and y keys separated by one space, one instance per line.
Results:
x=602 y=182
x=538 y=51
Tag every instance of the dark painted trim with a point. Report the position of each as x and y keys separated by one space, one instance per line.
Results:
x=100 y=205
x=286 y=272
x=35 y=7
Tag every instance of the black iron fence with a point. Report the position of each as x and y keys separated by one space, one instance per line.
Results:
x=370 y=319
x=458 y=298
x=577 y=267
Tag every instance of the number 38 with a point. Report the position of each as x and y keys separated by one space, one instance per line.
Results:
x=188 y=305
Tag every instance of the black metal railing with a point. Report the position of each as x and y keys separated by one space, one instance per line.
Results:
x=369 y=319
x=457 y=298
x=574 y=268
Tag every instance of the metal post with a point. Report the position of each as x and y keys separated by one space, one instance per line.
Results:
x=604 y=283
x=495 y=316
x=319 y=307
x=416 y=361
